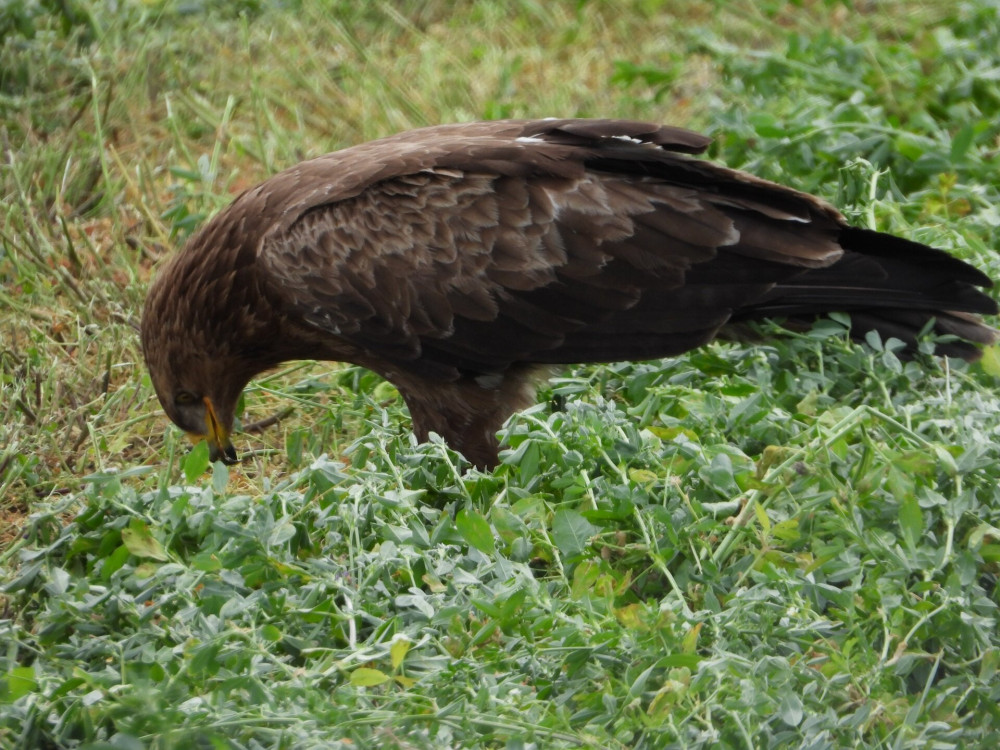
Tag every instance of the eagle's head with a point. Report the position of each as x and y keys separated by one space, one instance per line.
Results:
x=203 y=340
x=196 y=392
x=196 y=380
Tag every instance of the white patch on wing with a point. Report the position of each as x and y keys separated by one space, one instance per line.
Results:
x=732 y=237
x=322 y=319
x=443 y=171
x=529 y=139
x=556 y=205
x=627 y=138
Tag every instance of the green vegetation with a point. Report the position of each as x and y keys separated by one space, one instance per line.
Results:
x=791 y=545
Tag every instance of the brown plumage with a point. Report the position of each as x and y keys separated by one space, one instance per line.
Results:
x=461 y=262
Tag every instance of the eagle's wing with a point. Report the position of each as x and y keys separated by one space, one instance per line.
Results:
x=561 y=242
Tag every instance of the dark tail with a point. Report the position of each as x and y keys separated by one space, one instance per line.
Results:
x=893 y=286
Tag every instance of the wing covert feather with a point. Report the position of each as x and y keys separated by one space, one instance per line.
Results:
x=473 y=261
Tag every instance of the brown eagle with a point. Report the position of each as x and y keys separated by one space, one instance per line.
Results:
x=461 y=262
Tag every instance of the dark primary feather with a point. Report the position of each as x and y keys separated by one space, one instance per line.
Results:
x=460 y=261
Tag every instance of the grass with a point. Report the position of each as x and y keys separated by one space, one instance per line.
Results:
x=795 y=544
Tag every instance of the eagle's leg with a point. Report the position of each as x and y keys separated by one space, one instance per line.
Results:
x=468 y=412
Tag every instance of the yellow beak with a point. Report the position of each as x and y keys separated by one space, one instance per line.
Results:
x=220 y=448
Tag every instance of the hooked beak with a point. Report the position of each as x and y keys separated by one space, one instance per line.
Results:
x=220 y=447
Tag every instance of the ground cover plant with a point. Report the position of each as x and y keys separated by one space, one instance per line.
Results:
x=794 y=544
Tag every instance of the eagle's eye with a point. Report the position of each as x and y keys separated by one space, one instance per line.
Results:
x=184 y=398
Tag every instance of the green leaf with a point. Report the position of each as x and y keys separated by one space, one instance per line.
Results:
x=911 y=520
x=767 y=125
x=719 y=474
x=946 y=460
x=910 y=146
x=961 y=142
x=59 y=581
x=281 y=532
x=585 y=576
x=220 y=477
x=66 y=687
x=17 y=683
x=205 y=659
x=115 y=561
x=270 y=633
x=195 y=463
x=206 y=562
x=488 y=608
x=484 y=633
x=571 y=531
x=690 y=661
x=475 y=530
x=790 y=709
x=639 y=684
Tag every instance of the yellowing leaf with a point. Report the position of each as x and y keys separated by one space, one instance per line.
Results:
x=629 y=616
x=991 y=360
x=398 y=651
x=139 y=540
x=787 y=530
x=762 y=519
x=385 y=392
x=670 y=433
x=365 y=677
x=642 y=476
x=911 y=521
x=690 y=643
x=146 y=570
x=772 y=455
x=807 y=406
x=433 y=583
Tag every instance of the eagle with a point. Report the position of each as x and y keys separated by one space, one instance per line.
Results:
x=464 y=262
